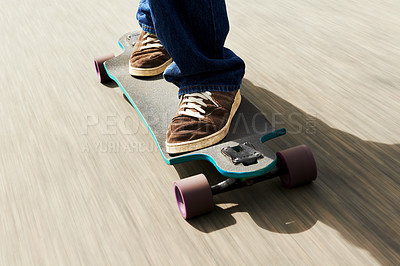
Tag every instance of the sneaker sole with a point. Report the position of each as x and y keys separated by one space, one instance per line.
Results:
x=209 y=140
x=149 y=72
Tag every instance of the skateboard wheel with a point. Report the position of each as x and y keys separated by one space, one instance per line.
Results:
x=100 y=70
x=296 y=166
x=194 y=196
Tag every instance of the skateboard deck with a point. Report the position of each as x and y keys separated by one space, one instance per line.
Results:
x=241 y=154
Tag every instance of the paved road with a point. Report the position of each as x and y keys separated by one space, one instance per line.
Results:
x=82 y=183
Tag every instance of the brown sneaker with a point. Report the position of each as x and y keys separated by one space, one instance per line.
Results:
x=149 y=58
x=203 y=119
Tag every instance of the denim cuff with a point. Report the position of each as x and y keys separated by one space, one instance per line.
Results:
x=203 y=88
x=147 y=29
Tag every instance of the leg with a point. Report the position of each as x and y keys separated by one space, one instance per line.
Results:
x=208 y=74
x=194 y=33
x=143 y=16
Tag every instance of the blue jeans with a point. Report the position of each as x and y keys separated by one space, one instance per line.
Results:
x=193 y=32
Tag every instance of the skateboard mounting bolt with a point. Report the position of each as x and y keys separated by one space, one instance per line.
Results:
x=243 y=153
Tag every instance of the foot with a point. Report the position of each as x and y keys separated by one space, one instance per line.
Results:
x=149 y=58
x=203 y=119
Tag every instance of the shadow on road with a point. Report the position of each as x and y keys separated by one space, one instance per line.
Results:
x=357 y=191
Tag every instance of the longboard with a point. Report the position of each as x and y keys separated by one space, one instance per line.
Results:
x=241 y=156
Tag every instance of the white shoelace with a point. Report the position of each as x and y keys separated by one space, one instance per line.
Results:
x=192 y=104
x=150 y=41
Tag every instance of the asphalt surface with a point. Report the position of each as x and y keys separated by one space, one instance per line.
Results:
x=82 y=183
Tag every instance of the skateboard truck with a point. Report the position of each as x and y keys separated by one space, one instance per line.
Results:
x=236 y=183
x=243 y=153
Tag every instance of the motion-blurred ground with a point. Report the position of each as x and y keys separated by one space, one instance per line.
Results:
x=81 y=181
